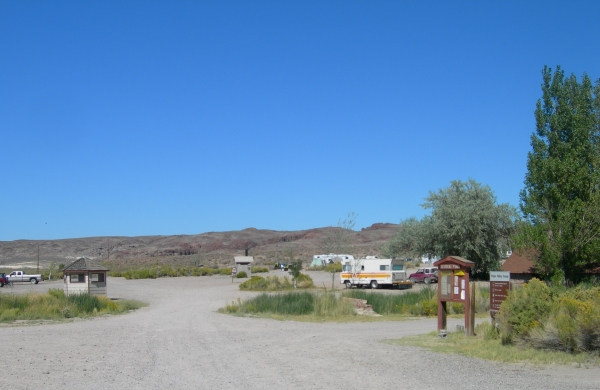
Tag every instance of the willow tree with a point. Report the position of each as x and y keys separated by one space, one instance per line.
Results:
x=465 y=221
x=561 y=198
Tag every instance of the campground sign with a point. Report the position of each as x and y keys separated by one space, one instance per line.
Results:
x=499 y=288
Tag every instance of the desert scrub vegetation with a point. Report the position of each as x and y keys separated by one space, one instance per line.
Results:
x=241 y=275
x=486 y=344
x=417 y=303
x=161 y=271
x=258 y=270
x=552 y=318
x=276 y=283
x=55 y=305
x=304 y=303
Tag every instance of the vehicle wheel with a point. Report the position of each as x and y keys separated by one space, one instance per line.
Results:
x=348 y=284
x=33 y=281
x=374 y=284
x=1 y=284
x=411 y=280
x=428 y=281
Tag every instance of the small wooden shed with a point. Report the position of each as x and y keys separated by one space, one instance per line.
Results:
x=85 y=276
x=244 y=263
x=521 y=266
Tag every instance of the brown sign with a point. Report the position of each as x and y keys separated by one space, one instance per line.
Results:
x=498 y=293
x=449 y=266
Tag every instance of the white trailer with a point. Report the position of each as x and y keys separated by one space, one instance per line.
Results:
x=374 y=272
x=322 y=260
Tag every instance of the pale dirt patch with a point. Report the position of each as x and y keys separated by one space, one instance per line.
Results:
x=181 y=342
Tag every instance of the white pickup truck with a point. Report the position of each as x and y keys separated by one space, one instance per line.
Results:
x=20 y=276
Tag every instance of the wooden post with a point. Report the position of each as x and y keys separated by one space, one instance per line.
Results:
x=472 y=309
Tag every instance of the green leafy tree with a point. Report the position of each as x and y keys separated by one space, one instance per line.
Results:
x=561 y=199
x=294 y=270
x=465 y=221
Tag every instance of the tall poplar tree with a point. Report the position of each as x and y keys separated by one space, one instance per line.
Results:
x=561 y=198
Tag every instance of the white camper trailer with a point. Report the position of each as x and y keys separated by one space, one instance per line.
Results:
x=323 y=260
x=374 y=272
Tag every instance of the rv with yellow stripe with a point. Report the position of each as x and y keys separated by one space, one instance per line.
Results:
x=374 y=272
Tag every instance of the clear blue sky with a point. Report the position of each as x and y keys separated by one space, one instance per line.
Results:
x=176 y=117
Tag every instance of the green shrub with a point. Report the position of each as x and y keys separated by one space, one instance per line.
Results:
x=257 y=270
x=524 y=309
x=241 y=274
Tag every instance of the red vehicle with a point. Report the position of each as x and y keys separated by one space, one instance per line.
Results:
x=3 y=279
x=425 y=275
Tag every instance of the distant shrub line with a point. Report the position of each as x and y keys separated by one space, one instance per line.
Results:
x=276 y=283
x=55 y=305
x=161 y=271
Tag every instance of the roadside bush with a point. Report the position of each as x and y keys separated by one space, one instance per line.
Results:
x=524 y=309
x=257 y=270
x=241 y=275
x=558 y=319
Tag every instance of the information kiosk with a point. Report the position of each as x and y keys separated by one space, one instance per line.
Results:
x=453 y=286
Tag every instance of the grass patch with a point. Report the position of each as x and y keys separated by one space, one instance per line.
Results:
x=484 y=346
x=276 y=283
x=416 y=303
x=304 y=303
x=161 y=271
x=56 y=306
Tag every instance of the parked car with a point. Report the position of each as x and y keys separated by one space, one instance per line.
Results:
x=426 y=275
x=3 y=279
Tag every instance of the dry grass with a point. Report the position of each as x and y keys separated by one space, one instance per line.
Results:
x=490 y=348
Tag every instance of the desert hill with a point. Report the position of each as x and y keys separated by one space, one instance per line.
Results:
x=210 y=249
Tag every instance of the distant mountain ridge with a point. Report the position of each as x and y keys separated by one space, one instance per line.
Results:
x=211 y=248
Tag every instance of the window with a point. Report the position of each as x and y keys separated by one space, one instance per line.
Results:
x=77 y=278
x=384 y=267
x=362 y=267
x=97 y=278
x=397 y=267
x=347 y=268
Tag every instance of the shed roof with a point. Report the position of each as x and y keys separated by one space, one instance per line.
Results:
x=520 y=262
x=85 y=264
x=455 y=259
x=243 y=259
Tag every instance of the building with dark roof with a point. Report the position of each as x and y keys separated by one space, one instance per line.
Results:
x=85 y=276
x=521 y=265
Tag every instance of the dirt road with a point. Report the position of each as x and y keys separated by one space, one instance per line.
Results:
x=181 y=342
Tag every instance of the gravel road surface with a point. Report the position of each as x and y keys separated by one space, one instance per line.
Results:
x=180 y=342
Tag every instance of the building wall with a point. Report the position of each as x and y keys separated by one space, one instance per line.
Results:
x=71 y=288
x=87 y=286
x=245 y=268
